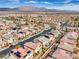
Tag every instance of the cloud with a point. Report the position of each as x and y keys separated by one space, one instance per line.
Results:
x=46 y=2
x=14 y=0
x=33 y=2
x=63 y=1
x=67 y=1
x=71 y=7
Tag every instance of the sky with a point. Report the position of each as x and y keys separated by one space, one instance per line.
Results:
x=50 y=4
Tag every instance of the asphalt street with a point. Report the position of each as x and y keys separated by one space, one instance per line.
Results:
x=6 y=51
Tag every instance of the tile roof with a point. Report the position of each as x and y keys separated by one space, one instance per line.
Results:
x=31 y=45
x=23 y=52
x=61 y=54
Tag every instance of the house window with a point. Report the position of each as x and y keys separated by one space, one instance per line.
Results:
x=28 y=52
x=17 y=54
x=46 y=45
x=25 y=56
x=11 y=51
x=38 y=52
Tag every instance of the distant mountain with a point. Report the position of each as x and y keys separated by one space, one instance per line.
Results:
x=28 y=8
x=31 y=9
x=5 y=9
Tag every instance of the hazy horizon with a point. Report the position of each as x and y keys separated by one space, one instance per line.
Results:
x=50 y=4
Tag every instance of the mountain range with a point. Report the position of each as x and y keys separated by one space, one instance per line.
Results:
x=32 y=9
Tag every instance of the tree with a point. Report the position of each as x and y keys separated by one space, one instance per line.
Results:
x=44 y=49
x=76 y=50
x=17 y=46
x=77 y=42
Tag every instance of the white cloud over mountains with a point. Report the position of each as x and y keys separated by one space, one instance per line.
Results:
x=71 y=7
x=67 y=1
x=46 y=2
x=14 y=0
x=53 y=4
x=33 y=2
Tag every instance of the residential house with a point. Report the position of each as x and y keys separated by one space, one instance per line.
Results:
x=72 y=35
x=22 y=53
x=35 y=47
x=62 y=54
